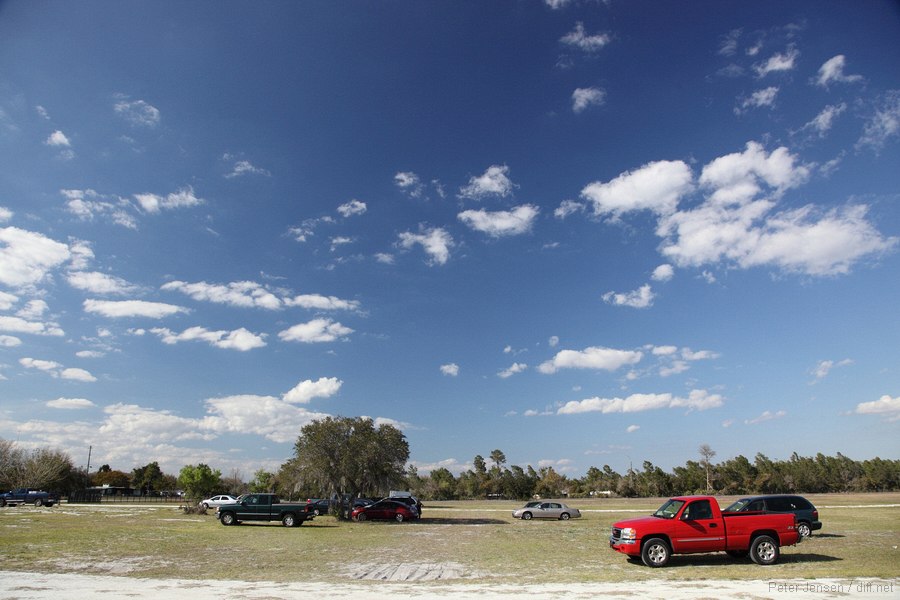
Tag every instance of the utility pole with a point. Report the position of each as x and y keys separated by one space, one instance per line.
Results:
x=90 y=449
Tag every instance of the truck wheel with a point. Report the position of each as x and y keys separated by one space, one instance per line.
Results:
x=764 y=550
x=227 y=518
x=803 y=529
x=38 y=503
x=526 y=516
x=655 y=552
x=289 y=520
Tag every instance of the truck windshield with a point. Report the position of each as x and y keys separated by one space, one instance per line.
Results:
x=669 y=509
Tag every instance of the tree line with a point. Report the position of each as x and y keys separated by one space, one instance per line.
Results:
x=353 y=457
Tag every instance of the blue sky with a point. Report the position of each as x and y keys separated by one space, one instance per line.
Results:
x=581 y=232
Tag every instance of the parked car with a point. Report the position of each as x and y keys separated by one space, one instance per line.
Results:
x=407 y=499
x=546 y=510
x=318 y=506
x=28 y=496
x=263 y=507
x=807 y=515
x=216 y=501
x=385 y=510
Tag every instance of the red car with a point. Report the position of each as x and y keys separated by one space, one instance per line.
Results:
x=387 y=510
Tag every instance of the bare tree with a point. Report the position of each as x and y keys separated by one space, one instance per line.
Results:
x=706 y=453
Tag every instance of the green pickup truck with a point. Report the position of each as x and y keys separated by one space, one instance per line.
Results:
x=263 y=507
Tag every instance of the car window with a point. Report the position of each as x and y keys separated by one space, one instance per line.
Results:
x=757 y=505
x=698 y=510
x=778 y=504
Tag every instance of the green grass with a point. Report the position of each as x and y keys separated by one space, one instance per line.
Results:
x=480 y=538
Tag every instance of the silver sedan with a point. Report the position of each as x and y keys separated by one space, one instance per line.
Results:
x=546 y=510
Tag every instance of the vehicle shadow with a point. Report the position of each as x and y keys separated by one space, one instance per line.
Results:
x=826 y=535
x=721 y=560
x=801 y=557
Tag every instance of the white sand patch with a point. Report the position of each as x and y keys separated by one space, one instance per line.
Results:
x=39 y=586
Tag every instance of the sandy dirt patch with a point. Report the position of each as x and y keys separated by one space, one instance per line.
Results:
x=38 y=586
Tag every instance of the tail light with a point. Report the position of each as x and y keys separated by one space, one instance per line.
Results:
x=815 y=515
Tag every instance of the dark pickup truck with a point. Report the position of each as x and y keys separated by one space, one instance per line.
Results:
x=28 y=496
x=263 y=507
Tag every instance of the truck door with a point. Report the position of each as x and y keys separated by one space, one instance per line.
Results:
x=697 y=531
x=253 y=508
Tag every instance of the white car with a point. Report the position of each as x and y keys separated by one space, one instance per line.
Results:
x=546 y=510
x=217 y=501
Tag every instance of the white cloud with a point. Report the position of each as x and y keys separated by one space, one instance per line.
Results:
x=598 y=358
x=884 y=124
x=320 y=302
x=137 y=112
x=153 y=203
x=315 y=331
x=766 y=416
x=305 y=391
x=639 y=298
x=9 y=341
x=245 y=167
x=20 y=325
x=824 y=121
x=584 y=98
x=266 y=416
x=777 y=63
x=501 y=223
x=56 y=370
x=58 y=139
x=100 y=283
x=566 y=208
x=663 y=273
x=27 y=258
x=410 y=183
x=71 y=403
x=557 y=4
x=132 y=308
x=493 y=182
x=697 y=400
x=587 y=43
x=759 y=99
x=436 y=242
x=450 y=369
x=632 y=428
x=239 y=339
x=825 y=366
x=657 y=186
x=512 y=370
x=833 y=70
x=352 y=208
x=245 y=294
x=33 y=309
x=885 y=405
x=88 y=204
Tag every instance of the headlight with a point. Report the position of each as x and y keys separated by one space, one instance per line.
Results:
x=629 y=533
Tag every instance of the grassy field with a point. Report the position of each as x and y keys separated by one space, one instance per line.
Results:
x=476 y=541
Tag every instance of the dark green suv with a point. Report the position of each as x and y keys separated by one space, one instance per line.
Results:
x=807 y=515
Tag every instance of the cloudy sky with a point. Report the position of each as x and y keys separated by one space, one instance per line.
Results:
x=582 y=232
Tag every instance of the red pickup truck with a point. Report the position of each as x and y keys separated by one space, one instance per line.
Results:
x=692 y=524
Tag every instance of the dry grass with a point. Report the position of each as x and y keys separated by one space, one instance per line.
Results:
x=475 y=541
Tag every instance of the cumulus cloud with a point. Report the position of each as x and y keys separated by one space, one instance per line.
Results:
x=596 y=358
x=764 y=98
x=493 y=182
x=100 y=283
x=696 y=400
x=153 y=203
x=352 y=208
x=578 y=38
x=56 y=370
x=886 y=405
x=825 y=367
x=132 y=308
x=436 y=242
x=833 y=71
x=450 y=369
x=239 y=339
x=27 y=258
x=409 y=183
x=584 y=98
x=305 y=391
x=70 y=403
x=501 y=223
x=315 y=331
x=663 y=273
x=657 y=186
x=884 y=124
x=58 y=139
x=639 y=298
x=88 y=205
x=246 y=294
x=137 y=112
x=245 y=167
x=267 y=416
x=20 y=325
x=512 y=370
